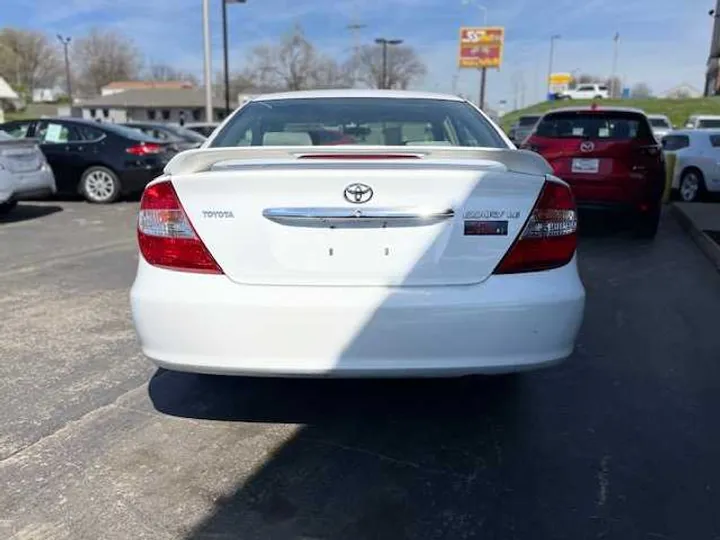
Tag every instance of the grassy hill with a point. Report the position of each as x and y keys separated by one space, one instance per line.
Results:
x=677 y=110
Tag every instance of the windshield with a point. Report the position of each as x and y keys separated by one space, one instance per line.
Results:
x=611 y=125
x=528 y=121
x=709 y=123
x=129 y=132
x=185 y=134
x=659 y=122
x=361 y=121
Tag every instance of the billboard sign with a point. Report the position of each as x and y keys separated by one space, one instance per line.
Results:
x=481 y=47
x=559 y=82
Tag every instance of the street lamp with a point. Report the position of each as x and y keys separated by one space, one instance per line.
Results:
x=225 y=52
x=553 y=38
x=385 y=42
x=65 y=42
x=207 y=75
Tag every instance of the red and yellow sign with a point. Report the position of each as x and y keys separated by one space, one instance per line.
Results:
x=481 y=47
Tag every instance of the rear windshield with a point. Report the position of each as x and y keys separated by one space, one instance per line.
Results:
x=589 y=125
x=709 y=123
x=528 y=120
x=675 y=142
x=659 y=122
x=360 y=121
x=127 y=132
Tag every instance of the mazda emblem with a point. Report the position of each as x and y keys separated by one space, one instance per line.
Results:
x=587 y=146
x=358 y=193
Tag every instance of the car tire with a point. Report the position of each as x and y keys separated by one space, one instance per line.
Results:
x=100 y=185
x=598 y=97
x=692 y=185
x=647 y=224
x=7 y=207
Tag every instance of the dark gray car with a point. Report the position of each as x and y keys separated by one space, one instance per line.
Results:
x=180 y=138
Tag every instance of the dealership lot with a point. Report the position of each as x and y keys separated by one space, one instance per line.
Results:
x=620 y=442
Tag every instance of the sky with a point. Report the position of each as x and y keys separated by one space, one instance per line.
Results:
x=662 y=42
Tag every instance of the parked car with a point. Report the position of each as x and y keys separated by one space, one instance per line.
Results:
x=697 y=162
x=444 y=255
x=586 y=91
x=101 y=161
x=203 y=128
x=523 y=127
x=610 y=158
x=660 y=125
x=703 y=121
x=179 y=137
x=24 y=172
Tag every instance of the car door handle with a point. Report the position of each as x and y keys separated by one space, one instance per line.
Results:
x=357 y=217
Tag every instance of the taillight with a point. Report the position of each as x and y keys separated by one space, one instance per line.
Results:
x=144 y=149
x=549 y=237
x=165 y=235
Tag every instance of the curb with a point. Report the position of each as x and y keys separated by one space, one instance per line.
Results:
x=703 y=241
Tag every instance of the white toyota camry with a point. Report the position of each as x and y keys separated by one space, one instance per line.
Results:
x=357 y=233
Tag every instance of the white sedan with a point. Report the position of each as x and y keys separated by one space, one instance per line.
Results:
x=24 y=172
x=354 y=233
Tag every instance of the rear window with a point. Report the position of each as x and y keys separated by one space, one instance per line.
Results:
x=672 y=143
x=659 y=122
x=527 y=121
x=589 y=125
x=361 y=121
x=709 y=123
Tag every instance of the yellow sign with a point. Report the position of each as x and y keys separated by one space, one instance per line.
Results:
x=560 y=78
x=481 y=47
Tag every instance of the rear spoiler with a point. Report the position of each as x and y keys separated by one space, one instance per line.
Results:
x=204 y=159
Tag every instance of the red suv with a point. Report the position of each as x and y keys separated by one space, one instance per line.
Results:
x=609 y=157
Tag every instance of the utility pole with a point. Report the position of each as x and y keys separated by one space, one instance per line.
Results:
x=613 y=90
x=553 y=38
x=455 y=83
x=209 y=116
x=226 y=62
x=483 y=70
x=65 y=41
x=384 y=43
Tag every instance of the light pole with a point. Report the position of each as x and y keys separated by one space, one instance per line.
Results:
x=385 y=42
x=65 y=42
x=226 y=69
x=209 y=117
x=553 y=38
x=616 y=41
x=483 y=70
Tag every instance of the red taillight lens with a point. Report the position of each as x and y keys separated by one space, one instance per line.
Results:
x=165 y=235
x=144 y=149
x=549 y=238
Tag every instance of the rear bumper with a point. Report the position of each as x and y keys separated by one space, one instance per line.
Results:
x=208 y=324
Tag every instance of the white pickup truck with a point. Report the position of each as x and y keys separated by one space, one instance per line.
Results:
x=586 y=91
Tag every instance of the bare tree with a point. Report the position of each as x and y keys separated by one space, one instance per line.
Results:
x=28 y=60
x=102 y=57
x=166 y=72
x=294 y=64
x=403 y=66
x=641 y=91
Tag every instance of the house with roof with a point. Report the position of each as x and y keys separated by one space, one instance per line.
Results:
x=154 y=104
x=117 y=87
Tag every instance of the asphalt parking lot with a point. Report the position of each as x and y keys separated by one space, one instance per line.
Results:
x=619 y=442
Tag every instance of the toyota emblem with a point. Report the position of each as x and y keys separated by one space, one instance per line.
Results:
x=358 y=193
x=587 y=146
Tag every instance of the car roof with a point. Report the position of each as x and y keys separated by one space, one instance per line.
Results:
x=663 y=116
x=356 y=93
x=705 y=116
x=598 y=108
x=153 y=124
x=695 y=132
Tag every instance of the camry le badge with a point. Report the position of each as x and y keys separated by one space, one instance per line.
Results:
x=358 y=193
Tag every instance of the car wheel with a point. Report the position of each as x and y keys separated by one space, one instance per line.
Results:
x=100 y=185
x=6 y=207
x=692 y=185
x=647 y=224
x=598 y=97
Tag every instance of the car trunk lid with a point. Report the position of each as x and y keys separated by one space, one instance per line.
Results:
x=296 y=222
